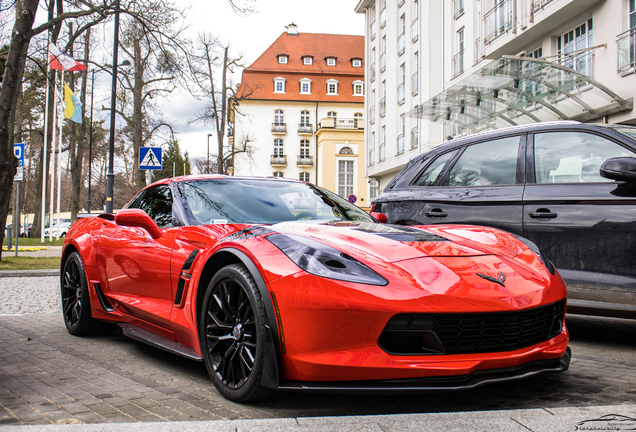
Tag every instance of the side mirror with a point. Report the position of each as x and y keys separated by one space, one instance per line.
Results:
x=620 y=168
x=138 y=218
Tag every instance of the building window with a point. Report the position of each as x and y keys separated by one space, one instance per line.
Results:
x=373 y=189
x=345 y=177
x=282 y=59
x=308 y=61
x=331 y=61
x=383 y=100
x=279 y=148
x=402 y=85
x=303 y=176
x=304 y=118
x=356 y=62
x=304 y=149
x=383 y=54
x=279 y=118
x=358 y=88
x=415 y=24
x=401 y=37
x=372 y=67
x=382 y=145
x=372 y=107
x=372 y=28
x=415 y=78
x=371 y=157
x=346 y=151
x=332 y=87
x=358 y=120
x=458 y=59
x=459 y=8
x=382 y=13
x=278 y=174
x=332 y=114
x=577 y=40
x=414 y=138
x=305 y=86
x=279 y=85
x=401 y=137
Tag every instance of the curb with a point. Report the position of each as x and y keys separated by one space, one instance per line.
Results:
x=29 y=273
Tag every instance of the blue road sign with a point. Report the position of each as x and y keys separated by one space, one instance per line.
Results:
x=149 y=158
x=18 y=151
x=352 y=199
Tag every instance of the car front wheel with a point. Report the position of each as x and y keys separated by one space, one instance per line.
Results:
x=232 y=334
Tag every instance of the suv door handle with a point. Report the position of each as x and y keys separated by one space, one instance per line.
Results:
x=542 y=213
x=436 y=212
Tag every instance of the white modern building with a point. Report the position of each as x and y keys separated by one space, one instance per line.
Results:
x=442 y=68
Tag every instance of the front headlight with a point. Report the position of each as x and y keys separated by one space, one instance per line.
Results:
x=324 y=261
x=534 y=248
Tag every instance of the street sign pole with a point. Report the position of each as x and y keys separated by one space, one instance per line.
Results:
x=16 y=222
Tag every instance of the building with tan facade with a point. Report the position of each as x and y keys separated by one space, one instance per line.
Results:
x=300 y=109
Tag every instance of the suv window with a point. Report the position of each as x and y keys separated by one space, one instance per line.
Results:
x=434 y=169
x=157 y=202
x=572 y=157
x=489 y=163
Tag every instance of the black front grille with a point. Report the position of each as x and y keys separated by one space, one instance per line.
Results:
x=468 y=333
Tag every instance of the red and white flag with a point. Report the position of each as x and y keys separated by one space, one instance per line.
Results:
x=63 y=61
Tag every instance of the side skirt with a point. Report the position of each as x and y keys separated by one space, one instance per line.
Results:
x=157 y=341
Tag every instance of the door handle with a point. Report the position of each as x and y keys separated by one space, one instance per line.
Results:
x=436 y=212
x=542 y=213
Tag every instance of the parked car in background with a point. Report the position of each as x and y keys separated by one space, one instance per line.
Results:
x=568 y=187
x=59 y=230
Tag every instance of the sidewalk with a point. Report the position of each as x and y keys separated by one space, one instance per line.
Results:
x=50 y=251
x=610 y=417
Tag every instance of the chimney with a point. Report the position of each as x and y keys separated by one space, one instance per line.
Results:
x=292 y=30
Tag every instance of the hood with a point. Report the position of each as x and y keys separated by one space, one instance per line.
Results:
x=393 y=243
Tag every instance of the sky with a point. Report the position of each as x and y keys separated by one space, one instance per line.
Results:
x=251 y=35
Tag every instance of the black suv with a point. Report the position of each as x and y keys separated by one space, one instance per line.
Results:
x=568 y=187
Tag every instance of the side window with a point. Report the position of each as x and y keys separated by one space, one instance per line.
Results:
x=489 y=163
x=572 y=157
x=157 y=202
x=433 y=171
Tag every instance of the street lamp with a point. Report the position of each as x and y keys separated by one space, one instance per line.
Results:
x=209 y=135
x=110 y=176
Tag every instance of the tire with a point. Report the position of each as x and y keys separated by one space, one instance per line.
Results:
x=76 y=304
x=232 y=334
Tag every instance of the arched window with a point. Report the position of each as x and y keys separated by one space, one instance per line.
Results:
x=332 y=114
x=278 y=174
x=304 y=118
x=279 y=117
x=304 y=176
x=279 y=148
x=346 y=151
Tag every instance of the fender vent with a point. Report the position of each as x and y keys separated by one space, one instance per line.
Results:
x=102 y=298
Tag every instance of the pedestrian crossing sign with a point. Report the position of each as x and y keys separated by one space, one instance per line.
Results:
x=149 y=158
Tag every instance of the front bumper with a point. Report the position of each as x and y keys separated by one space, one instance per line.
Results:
x=434 y=384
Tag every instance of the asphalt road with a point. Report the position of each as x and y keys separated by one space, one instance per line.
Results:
x=48 y=376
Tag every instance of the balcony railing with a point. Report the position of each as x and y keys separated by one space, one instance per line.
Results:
x=305 y=161
x=401 y=47
x=459 y=8
x=400 y=93
x=626 y=50
x=342 y=123
x=415 y=83
x=371 y=158
x=458 y=63
x=382 y=62
x=382 y=107
x=415 y=30
x=539 y=4
x=497 y=20
x=400 y=144
x=279 y=160
x=381 y=153
x=304 y=128
x=279 y=127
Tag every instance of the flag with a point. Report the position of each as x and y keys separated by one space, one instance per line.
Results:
x=72 y=105
x=63 y=61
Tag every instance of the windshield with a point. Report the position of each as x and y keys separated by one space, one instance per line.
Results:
x=626 y=130
x=263 y=201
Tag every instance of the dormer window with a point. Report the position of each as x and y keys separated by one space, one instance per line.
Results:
x=283 y=58
x=331 y=61
x=332 y=87
x=279 y=85
x=356 y=62
x=308 y=60
x=305 y=86
x=358 y=88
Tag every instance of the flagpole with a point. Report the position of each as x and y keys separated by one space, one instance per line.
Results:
x=59 y=165
x=52 y=195
x=46 y=135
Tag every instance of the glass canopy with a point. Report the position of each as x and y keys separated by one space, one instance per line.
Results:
x=513 y=91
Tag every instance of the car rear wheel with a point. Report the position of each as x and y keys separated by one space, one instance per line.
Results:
x=232 y=334
x=76 y=305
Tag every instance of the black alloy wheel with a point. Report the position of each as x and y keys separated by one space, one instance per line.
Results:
x=232 y=330
x=76 y=305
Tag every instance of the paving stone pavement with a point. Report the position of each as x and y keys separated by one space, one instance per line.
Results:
x=48 y=376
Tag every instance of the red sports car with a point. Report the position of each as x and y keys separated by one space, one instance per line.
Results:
x=281 y=285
